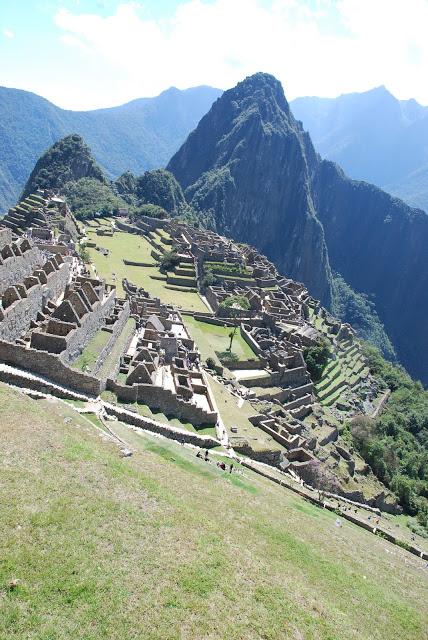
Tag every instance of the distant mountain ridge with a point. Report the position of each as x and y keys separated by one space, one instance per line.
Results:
x=374 y=137
x=137 y=136
x=252 y=165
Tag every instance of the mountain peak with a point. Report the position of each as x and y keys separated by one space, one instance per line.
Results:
x=249 y=138
x=261 y=86
x=67 y=160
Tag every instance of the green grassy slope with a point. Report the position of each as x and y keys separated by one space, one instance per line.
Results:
x=163 y=545
x=211 y=338
x=136 y=248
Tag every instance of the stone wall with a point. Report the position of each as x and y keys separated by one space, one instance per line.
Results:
x=272 y=457
x=91 y=323
x=146 y=222
x=278 y=378
x=5 y=237
x=129 y=228
x=49 y=366
x=181 y=435
x=158 y=398
x=22 y=379
x=245 y=364
x=19 y=315
x=15 y=268
x=179 y=281
x=250 y=341
x=116 y=330
x=53 y=248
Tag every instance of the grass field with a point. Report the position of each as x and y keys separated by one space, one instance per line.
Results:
x=211 y=338
x=234 y=416
x=136 y=248
x=165 y=546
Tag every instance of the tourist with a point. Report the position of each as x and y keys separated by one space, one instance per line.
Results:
x=206 y=455
x=231 y=467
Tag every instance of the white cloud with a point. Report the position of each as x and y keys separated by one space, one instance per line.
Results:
x=8 y=33
x=323 y=48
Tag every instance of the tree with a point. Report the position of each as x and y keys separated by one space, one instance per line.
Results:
x=84 y=253
x=316 y=358
x=88 y=198
x=234 y=306
x=209 y=278
x=150 y=210
x=169 y=260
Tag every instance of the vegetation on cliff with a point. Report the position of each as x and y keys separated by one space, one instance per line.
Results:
x=160 y=187
x=360 y=312
x=316 y=358
x=157 y=187
x=395 y=444
x=89 y=198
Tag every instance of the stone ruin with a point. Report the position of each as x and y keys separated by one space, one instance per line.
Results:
x=51 y=307
x=41 y=216
x=162 y=366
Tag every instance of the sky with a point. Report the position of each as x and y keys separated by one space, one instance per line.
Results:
x=85 y=54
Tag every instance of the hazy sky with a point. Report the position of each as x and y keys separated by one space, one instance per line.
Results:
x=83 y=54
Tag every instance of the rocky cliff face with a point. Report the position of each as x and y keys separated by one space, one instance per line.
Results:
x=380 y=246
x=246 y=161
x=250 y=162
x=67 y=160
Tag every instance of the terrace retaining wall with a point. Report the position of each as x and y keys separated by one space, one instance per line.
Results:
x=206 y=442
x=50 y=366
x=158 y=398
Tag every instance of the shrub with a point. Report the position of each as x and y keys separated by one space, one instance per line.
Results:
x=169 y=260
x=151 y=211
x=209 y=279
x=84 y=253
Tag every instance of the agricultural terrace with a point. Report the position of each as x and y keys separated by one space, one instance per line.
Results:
x=163 y=545
x=346 y=370
x=212 y=338
x=137 y=249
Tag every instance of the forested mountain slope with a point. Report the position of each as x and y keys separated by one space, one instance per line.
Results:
x=374 y=137
x=139 y=135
